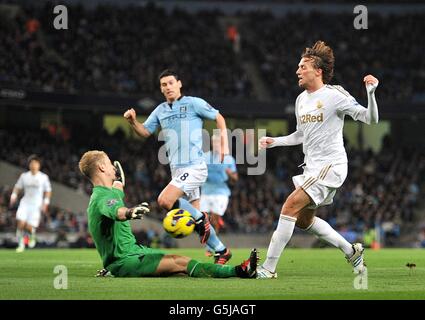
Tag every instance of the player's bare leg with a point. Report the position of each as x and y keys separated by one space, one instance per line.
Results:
x=175 y=265
x=20 y=233
x=172 y=197
x=293 y=205
x=169 y=196
x=172 y=264
x=320 y=228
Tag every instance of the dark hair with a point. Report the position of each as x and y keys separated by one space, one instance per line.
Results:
x=33 y=157
x=323 y=58
x=167 y=73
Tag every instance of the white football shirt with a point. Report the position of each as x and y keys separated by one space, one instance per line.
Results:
x=320 y=118
x=34 y=187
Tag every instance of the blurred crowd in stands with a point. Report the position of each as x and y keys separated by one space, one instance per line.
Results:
x=280 y=41
x=381 y=189
x=113 y=49
x=121 y=50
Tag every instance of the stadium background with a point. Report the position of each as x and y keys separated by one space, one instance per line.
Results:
x=64 y=91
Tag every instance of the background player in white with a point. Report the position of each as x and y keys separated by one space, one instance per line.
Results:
x=36 y=199
x=320 y=110
x=215 y=192
x=181 y=120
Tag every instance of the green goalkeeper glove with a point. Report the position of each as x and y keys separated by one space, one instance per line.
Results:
x=119 y=173
x=138 y=211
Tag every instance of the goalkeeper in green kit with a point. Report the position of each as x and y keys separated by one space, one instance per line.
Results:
x=121 y=255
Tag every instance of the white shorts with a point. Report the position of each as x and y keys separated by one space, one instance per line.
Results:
x=321 y=184
x=216 y=203
x=29 y=214
x=190 y=179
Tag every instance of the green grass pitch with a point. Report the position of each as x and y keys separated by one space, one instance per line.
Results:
x=303 y=274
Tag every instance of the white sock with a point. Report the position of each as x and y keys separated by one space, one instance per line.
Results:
x=280 y=238
x=32 y=233
x=324 y=231
x=20 y=236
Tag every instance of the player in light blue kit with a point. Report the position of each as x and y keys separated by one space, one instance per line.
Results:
x=181 y=120
x=215 y=192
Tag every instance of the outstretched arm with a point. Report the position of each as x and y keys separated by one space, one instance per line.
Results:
x=291 y=140
x=372 y=115
x=136 y=212
x=139 y=128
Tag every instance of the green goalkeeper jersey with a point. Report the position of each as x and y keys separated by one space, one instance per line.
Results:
x=113 y=238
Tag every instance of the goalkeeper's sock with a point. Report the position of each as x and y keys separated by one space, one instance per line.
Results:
x=280 y=238
x=325 y=232
x=198 y=269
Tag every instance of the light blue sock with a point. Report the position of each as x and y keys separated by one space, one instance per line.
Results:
x=185 y=205
x=213 y=241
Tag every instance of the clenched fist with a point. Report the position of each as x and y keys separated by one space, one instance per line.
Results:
x=371 y=83
x=265 y=142
x=130 y=115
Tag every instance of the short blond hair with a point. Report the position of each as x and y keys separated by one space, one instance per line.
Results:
x=89 y=160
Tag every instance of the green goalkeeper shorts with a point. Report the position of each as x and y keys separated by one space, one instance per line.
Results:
x=143 y=265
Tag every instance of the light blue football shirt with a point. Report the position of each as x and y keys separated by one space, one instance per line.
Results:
x=216 y=183
x=181 y=123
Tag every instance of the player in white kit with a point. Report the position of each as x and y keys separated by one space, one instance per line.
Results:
x=320 y=110
x=36 y=199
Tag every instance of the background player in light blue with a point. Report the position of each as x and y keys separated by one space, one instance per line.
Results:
x=215 y=192
x=181 y=120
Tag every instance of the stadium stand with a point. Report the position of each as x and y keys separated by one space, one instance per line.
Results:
x=124 y=56
x=381 y=189
x=273 y=41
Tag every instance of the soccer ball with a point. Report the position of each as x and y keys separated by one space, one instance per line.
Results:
x=178 y=223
